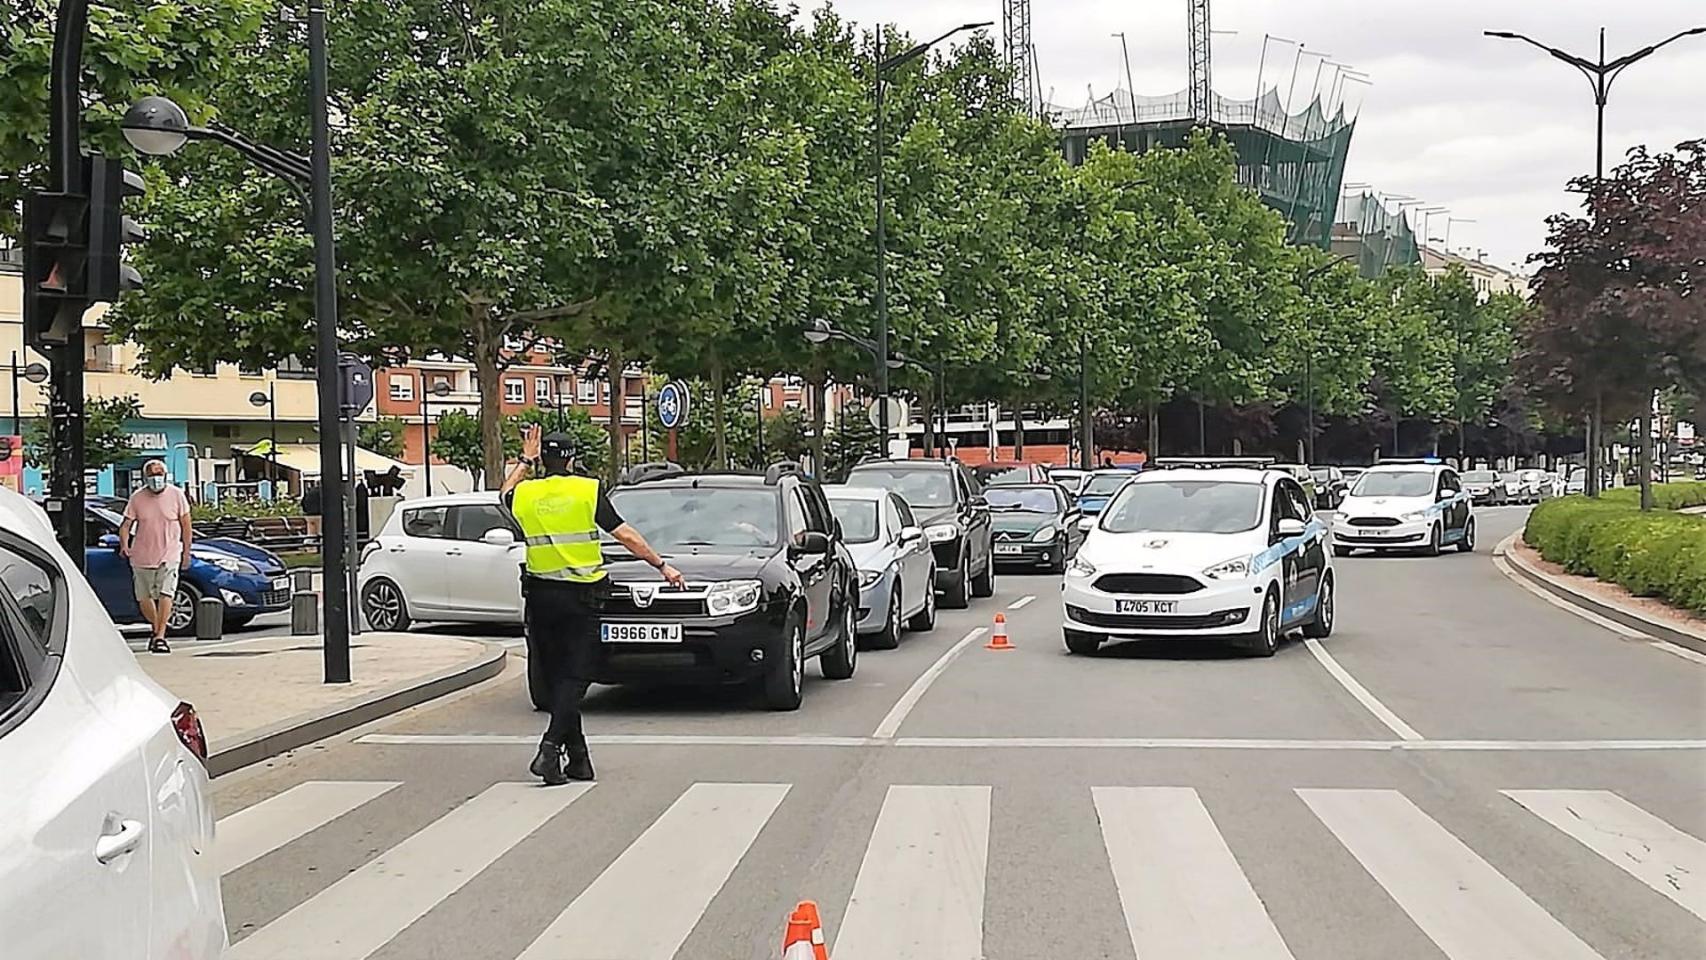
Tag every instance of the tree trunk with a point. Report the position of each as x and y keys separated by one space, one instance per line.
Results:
x=1154 y=432
x=1018 y=434
x=719 y=426
x=819 y=395
x=929 y=402
x=617 y=446
x=1595 y=447
x=488 y=348
x=1646 y=456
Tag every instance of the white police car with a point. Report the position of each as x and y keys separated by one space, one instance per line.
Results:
x=1202 y=549
x=1406 y=505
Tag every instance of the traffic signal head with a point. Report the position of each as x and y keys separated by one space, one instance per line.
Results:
x=56 y=254
x=109 y=229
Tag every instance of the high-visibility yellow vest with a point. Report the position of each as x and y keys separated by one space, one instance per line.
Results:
x=557 y=519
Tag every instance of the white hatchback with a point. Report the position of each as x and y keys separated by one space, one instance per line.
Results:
x=1233 y=553
x=105 y=822
x=451 y=558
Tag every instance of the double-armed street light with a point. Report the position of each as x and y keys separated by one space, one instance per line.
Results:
x=822 y=331
x=34 y=372
x=269 y=400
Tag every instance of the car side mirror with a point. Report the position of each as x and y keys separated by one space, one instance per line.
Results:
x=812 y=543
x=911 y=534
x=979 y=502
x=499 y=537
x=1444 y=495
x=1289 y=527
x=108 y=540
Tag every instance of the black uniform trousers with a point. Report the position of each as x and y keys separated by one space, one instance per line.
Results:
x=563 y=621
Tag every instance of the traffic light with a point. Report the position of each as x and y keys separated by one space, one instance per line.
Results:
x=56 y=254
x=109 y=229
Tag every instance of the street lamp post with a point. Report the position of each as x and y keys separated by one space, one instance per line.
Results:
x=157 y=126
x=883 y=66
x=441 y=389
x=1309 y=358
x=36 y=373
x=937 y=390
x=822 y=331
x=1600 y=75
x=270 y=401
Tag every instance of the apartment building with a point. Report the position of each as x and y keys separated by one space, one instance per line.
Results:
x=1487 y=278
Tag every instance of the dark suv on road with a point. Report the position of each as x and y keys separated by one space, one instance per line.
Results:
x=770 y=584
x=949 y=504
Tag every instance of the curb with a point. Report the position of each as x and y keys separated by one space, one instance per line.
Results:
x=1610 y=611
x=305 y=728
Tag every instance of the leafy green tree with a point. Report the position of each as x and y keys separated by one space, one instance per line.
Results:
x=105 y=440
x=592 y=453
x=457 y=442
x=383 y=436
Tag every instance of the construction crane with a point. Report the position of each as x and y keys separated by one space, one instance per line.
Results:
x=1201 y=92
x=1021 y=54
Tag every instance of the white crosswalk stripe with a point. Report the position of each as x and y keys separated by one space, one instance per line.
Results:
x=919 y=894
x=646 y=903
x=254 y=832
x=1647 y=848
x=1463 y=904
x=1182 y=892
x=360 y=913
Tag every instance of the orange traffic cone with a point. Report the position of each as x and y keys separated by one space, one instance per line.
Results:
x=998 y=638
x=804 y=937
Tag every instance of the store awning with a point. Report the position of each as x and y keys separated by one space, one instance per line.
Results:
x=304 y=458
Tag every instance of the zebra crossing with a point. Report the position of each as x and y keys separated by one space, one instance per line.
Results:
x=920 y=888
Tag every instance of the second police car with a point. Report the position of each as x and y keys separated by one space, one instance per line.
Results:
x=1221 y=550
x=1406 y=505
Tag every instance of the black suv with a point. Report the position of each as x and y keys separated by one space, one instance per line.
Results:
x=769 y=584
x=947 y=500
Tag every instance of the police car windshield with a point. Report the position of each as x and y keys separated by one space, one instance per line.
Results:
x=699 y=516
x=858 y=519
x=919 y=487
x=1480 y=476
x=1185 y=506
x=1395 y=483
x=1024 y=499
x=1105 y=484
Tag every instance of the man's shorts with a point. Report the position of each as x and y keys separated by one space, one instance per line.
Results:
x=155 y=583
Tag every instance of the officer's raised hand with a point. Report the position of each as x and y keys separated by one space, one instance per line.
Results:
x=530 y=435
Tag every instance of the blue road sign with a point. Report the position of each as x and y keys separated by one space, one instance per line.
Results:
x=673 y=402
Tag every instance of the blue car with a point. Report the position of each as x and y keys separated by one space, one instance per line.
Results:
x=1100 y=487
x=248 y=580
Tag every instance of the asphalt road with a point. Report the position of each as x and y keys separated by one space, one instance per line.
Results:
x=1463 y=770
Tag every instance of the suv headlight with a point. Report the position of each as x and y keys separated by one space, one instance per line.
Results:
x=1044 y=535
x=231 y=564
x=1080 y=567
x=733 y=596
x=941 y=532
x=1235 y=569
x=868 y=577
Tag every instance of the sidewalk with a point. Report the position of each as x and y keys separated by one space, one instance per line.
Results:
x=1640 y=615
x=258 y=698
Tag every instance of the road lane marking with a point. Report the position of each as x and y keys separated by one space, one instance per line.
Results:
x=362 y=912
x=1643 y=846
x=1393 y=722
x=255 y=831
x=531 y=741
x=897 y=715
x=1182 y=892
x=1021 y=603
x=643 y=906
x=1464 y=905
x=919 y=893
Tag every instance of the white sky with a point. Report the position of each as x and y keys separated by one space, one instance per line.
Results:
x=1491 y=129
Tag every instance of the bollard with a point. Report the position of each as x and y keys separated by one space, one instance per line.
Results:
x=305 y=614
x=209 y=619
x=302 y=580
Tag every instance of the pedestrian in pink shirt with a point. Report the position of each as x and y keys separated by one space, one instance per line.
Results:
x=155 y=537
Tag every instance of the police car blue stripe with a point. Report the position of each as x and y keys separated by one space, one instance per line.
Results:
x=1270 y=556
x=1299 y=610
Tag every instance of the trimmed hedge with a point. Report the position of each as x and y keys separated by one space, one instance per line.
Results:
x=1658 y=554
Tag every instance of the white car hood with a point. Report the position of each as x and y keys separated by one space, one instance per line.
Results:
x=1188 y=553
x=1383 y=506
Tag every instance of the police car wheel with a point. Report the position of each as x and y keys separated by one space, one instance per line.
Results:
x=1083 y=644
x=1320 y=626
x=842 y=658
x=1339 y=551
x=1467 y=544
x=784 y=682
x=925 y=619
x=1434 y=538
x=1267 y=639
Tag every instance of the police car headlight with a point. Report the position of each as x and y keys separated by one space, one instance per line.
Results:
x=733 y=596
x=1235 y=569
x=1044 y=535
x=868 y=577
x=1080 y=567
x=941 y=532
x=1413 y=516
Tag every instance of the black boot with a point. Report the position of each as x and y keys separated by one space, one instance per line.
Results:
x=549 y=764
x=580 y=762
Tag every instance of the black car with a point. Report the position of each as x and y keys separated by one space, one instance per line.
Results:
x=947 y=501
x=770 y=584
x=1331 y=487
x=1035 y=525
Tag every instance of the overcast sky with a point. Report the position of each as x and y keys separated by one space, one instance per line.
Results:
x=1490 y=128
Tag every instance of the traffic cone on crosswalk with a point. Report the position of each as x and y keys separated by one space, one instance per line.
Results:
x=998 y=636
x=804 y=937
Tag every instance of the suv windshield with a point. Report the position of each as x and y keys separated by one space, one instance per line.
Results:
x=918 y=486
x=1027 y=499
x=1185 y=506
x=1105 y=484
x=699 y=516
x=1395 y=483
x=858 y=519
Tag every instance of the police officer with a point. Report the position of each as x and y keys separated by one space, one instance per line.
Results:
x=560 y=515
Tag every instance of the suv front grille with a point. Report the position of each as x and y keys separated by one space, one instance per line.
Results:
x=620 y=601
x=1147 y=583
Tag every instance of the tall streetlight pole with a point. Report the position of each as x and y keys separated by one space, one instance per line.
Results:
x=1601 y=74
x=441 y=389
x=269 y=400
x=822 y=331
x=1309 y=357
x=882 y=67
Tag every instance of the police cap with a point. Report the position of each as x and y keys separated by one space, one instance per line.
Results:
x=557 y=447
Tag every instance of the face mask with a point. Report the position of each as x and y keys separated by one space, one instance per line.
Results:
x=156 y=483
